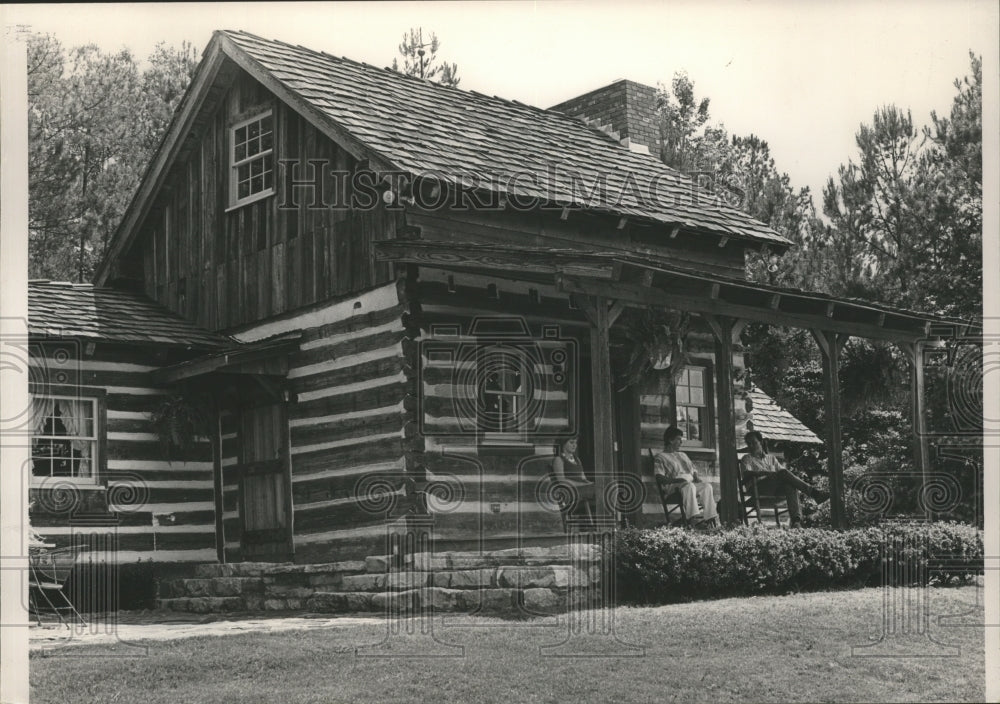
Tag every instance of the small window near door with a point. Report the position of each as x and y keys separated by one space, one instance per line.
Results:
x=693 y=407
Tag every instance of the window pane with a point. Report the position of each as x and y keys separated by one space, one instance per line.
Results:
x=241 y=152
x=697 y=396
x=266 y=124
x=266 y=141
x=241 y=135
x=268 y=181
x=695 y=377
x=243 y=172
x=511 y=380
x=694 y=431
x=682 y=395
x=253 y=129
x=256 y=184
x=683 y=381
x=243 y=189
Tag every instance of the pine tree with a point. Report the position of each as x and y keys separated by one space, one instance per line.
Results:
x=420 y=59
x=94 y=122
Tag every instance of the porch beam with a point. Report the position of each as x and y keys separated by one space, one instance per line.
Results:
x=830 y=347
x=723 y=328
x=646 y=296
x=603 y=400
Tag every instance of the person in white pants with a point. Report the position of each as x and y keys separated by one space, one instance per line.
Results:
x=678 y=470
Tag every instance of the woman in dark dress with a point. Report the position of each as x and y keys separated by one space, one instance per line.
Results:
x=568 y=471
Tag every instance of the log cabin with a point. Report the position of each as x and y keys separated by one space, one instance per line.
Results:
x=392 y=301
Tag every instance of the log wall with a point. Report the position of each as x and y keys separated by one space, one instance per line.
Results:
x=345 y=423
x=491 y=490
x=149 y=507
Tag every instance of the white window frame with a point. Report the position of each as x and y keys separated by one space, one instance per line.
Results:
x=704 y=410
x=234 y=200
x=516 y=430
x=95 y=440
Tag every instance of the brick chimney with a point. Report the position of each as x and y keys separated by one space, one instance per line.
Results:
x=625 y=109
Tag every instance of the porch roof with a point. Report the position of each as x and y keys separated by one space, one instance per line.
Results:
x=777 y=424
x=646 y=280
x=84 y=311
x=265 y=357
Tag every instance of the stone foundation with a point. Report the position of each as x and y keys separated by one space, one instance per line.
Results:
x=531 y=580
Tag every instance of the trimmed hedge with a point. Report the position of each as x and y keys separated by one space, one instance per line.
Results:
x=666 y=565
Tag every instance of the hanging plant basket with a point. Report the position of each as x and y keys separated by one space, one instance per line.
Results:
x=657 y=339
x=180 y=420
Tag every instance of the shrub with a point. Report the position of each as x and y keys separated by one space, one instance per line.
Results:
x=665 y=565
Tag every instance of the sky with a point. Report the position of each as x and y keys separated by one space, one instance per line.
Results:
x=801 y=75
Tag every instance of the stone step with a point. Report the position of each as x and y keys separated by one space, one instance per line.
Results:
x=258 y=569
x=215 y=586
x=535 y=600
x=204 y=604
x=535 y=556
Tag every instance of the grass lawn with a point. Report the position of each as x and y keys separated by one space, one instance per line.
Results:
x=759 y=649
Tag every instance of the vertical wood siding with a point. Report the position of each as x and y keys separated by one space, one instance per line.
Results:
x=224 y=269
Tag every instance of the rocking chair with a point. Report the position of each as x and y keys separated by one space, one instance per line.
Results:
x=757 y=493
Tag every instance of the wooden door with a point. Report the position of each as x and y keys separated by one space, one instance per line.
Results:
x=264 y=500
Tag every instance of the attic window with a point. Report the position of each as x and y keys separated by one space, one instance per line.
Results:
x=251 y=159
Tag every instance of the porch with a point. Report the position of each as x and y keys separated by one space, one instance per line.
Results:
x=602 y=285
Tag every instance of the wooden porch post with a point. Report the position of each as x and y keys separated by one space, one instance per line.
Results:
x=601 y=318
x=628 y=417
x=920 y=448
x=722 y=329
x=830 y=345
x=220 y=534
x=915 y=352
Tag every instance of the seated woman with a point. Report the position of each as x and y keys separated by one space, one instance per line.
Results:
x=760 y=464
x=568 y=471
x=679 y=473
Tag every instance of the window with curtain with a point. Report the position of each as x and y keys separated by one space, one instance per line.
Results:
x=65 y=438
x=504 y=388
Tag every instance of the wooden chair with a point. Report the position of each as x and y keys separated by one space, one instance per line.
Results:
x=48 y=573
x=570 y=498
x=757 y=493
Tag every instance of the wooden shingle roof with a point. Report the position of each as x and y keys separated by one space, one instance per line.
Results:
x=71 y=310
x=775 y=423
x=421 y=127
